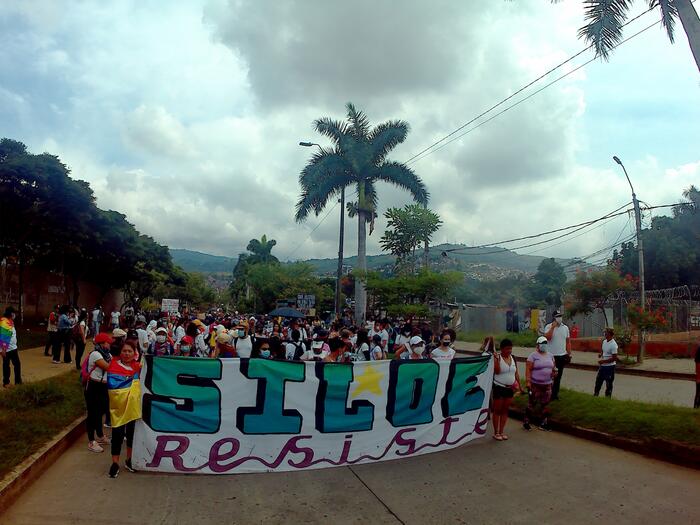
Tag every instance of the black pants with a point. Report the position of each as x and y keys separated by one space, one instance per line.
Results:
x=118 y=437
x=560 y=361
x=607 y=374
x=79 y=349
x=51 y=337
x=63 y=339
x=11 y=357
x=97 y=404
x=697 y=396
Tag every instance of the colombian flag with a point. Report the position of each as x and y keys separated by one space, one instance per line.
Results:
x=6 y=325
x=124 y=390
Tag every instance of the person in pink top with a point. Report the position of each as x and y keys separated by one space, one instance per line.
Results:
x=540 y=371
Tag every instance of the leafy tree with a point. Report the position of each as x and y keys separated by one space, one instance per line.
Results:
x=408 y=228
x=590 y=290
x=261 y=251
x=546 y=286
x=605 y=19
x=359 y=158
x=508 y=291
x=411 y=294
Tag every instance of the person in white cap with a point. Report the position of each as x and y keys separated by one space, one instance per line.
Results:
x=559 y=345
x=417 y=349
x=540 y=371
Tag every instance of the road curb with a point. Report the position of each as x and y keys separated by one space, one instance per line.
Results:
x=24 y=474
x=669 y=451
x=619 y=369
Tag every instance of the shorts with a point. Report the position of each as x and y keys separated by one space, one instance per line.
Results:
x=502 y=392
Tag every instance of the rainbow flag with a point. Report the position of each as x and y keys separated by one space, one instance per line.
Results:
x=124 y=390
x=6 y=326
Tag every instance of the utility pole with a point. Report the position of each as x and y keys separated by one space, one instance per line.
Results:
x=339 y=274
x=640 y=257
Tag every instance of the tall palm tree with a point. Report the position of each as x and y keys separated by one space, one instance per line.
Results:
x=358 y=158
x=261 y=250
x=605 y=19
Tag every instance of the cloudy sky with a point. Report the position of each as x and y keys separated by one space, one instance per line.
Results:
x=186 y=116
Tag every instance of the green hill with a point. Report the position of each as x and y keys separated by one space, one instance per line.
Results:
x=192 y=261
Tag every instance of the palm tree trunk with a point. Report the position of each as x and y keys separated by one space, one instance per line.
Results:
x=691 y=24
x=360 y=291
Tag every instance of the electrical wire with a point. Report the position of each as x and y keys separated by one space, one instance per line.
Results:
x=441 y=143
x=313 y=230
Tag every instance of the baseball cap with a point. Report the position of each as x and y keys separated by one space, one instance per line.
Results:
x=317 y=344
x=416 y=340
x=556 y=313
x=103 y=338
x=161 y=330
x=541 y=340
x=118 y=332
x=187 y=340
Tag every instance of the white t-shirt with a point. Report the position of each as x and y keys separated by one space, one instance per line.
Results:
x=439 y=353
x=95 y=316
x=179 y=334
x=292 y=348
x=506 y=378
x=97 y=374
x=609 y=349
x=557 y=344
x=143 y=339
x=383 y=334
x=115 y=317
x=309 y=355
x=244 y=346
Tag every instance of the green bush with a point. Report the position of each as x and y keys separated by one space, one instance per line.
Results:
x=527 y=339
x=32 y=395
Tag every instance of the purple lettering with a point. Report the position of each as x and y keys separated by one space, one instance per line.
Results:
x=410 y=443
x=482 y=422
x=215 y=457
x=292 y=447
x=174 y=454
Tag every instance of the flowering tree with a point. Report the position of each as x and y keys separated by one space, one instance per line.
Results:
x=649 y=318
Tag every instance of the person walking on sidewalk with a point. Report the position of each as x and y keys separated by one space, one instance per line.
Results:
x=606 y=360
x=51 y=330
x=540 y=371
x=8 y=347
x=558 y=345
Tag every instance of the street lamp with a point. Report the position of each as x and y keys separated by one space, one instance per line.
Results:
x=640 y=256
x=339 y=272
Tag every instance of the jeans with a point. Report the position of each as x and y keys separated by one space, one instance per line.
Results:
x=96 y=401
x=118 y=437
x=13 y=357
x=95 y=328
x=607 y=374
x=560 y=361
x=51 y=337
x=63 y=338
x=79 y=349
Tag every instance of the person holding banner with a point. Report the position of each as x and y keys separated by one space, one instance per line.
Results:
x=124 y=392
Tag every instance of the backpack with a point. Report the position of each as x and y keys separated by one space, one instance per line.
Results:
x=85 y=373
x=298 y=352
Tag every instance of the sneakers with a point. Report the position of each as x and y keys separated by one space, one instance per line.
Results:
x=104 y=440
x=114 y=470
x=545 y=426
x=128 y=466
x=55 y=362
x=527 y=426
x=107 y=425
x=94 y=446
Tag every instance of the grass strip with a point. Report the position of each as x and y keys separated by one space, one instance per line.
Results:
x=526 y=339
x=33 y=413
x=628 y=419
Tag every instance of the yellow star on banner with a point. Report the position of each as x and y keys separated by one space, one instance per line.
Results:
x=368 y=381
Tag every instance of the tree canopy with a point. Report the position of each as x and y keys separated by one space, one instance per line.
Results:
x=408 y=228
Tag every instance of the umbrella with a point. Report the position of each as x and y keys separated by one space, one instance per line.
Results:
x=286 y=312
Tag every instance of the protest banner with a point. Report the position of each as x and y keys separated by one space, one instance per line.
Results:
x=227 y=416
x=170 y=305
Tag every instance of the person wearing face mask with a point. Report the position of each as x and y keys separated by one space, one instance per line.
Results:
x=224 y=346
x=118 y=337
x=339 y=351
x=242 y=342
x=540 y=371
x=186 y=345
x=377 y=353
x=161 y=346
x=264 y=351
x=417 y=349
x=445 y=350
x=8 y=347
x=402 y=340
x=319 y=348
x=505 y=382
x=559 y=345
x=96 y=399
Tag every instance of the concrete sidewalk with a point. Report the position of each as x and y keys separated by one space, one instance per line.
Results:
x=650 y=366
x=36 y=366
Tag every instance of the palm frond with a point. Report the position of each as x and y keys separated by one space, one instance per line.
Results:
x=386 y=136
x=402 y=176
x=322 y=178
x=333 y=129
x=669 y=13
x=604 y=28
x=359 y=123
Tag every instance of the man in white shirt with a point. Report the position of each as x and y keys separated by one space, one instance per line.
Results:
x=606 y=360
x=378 y=329
x=115 y=318
x=559 y=345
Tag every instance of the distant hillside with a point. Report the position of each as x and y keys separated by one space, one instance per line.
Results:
x=483 y=262
x=192 y=261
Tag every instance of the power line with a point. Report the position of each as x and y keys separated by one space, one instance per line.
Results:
x=441 y=144
x=313 y=230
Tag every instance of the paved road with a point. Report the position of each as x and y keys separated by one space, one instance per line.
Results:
x=535 y=477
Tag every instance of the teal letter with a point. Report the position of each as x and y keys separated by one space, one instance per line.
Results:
x=269 y=416
x=412 y=387
x=332 y=412
x=183 y=396
x=461 y=392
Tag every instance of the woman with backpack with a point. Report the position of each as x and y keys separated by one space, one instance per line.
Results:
x=94 y=379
